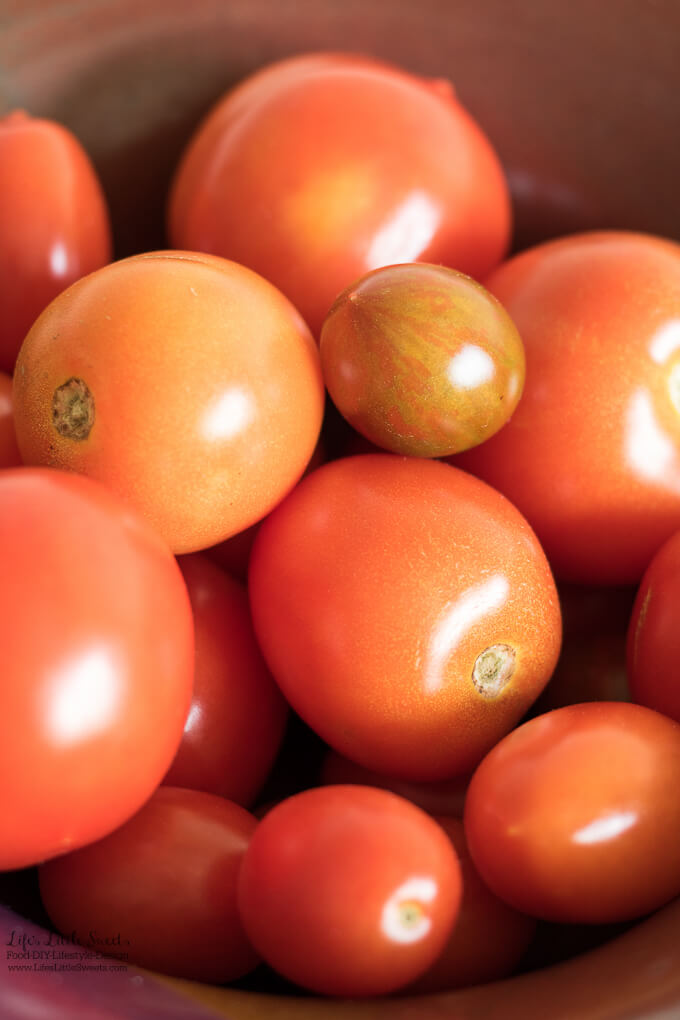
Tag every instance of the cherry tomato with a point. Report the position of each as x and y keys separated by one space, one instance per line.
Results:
x=488 y=939
x=55 y=222
x=237 y=716
x=574 y=816
x=186 y=383
x=97 y=639
x=323 y=167
x=160 y=891
x=349 y=890
x=406 y=610
x=421 y=360
x=592 y=455
x=9 y=451
x=653 y=646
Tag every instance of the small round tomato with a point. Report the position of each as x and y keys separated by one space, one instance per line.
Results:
x=592 y=455
x=574 y=816
x=9 y=451
x=237 y=716
x=349 y=890
x=406 y=610
x=653 y=645
x=323 y=167
x=186 y=383
x=160 y=891
x=97 y=643
x=55 y=222
x=421 y=360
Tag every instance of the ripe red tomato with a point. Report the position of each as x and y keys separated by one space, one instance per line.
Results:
x=406 y=610
x=653 y=645
x=592 y=454
x=237 y=716
x=186 y=383
x=97 y=640
x=55 y=222
x=9 y=451
x=160 y=891
x=322 y=167
x=574 y=816
x=349 y=890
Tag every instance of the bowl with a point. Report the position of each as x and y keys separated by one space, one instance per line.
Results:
x=582 y=102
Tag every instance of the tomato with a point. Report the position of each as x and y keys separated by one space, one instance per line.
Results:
x=349 y=890
x=421 y=360
x=592 y=455
x=323 y=167
x=406 y=610
x=488 y=939
x=237 y=716
x=186 y=383
x=160 y=891
x=55 y=222
x=574 y=816
x=97 y=640
x=653 y=644
x=9 y=451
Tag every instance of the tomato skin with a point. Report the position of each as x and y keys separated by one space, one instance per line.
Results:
x=381 y=589
x=592 y=455
x=55 y=222
x=206 y=388
x=373 y=166
x=237 y=716
x=325 y=881
x=97 y=639
x=9 y=451
x=165 y=883
x=573 y=817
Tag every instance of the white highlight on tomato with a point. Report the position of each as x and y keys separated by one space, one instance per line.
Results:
x=84 y=696
x=231 y=413
x=650 y=452
x=603 y=829
x=59 y=260
x=470 y=367
x=665 y=341
x=407 y=233
x=404 y=919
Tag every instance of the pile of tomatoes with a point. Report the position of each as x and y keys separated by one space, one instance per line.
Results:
x=337 y=386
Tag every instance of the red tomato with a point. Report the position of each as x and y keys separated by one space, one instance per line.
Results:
x=592 y=454
x=349 y=890
x=55 y=223
x=488 y=939
x=325 y=166
x=160 y=891
x=653 y=647
x=237 y=716
x=575 y=817
x=406 y=610
x=9 y=451
x=186 y=383
x=97 y=640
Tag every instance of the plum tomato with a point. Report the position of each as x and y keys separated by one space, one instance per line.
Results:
x=323 y=167
x=574 y=816
x=653 y=644
x=55 y=222
x=9 y=451
x=160 y=891
x=592 y=455
x=349 y=890
x=187 y=384
x=238 y=714
x=97 y=639
x=406 y=610
x=421 y=360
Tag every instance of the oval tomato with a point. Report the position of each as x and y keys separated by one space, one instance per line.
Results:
x=9 y=451
x=97 y=643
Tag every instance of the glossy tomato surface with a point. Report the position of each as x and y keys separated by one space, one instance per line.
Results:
x=325 y=166
x=406 y=610
x=421 y=360
x=238 y=714
x=160 y=891
x=97 y=640
x=349 y=890
x=574 y=816
x=186 y=383
x=55 y=222
x=592 y=455
x=9 y=451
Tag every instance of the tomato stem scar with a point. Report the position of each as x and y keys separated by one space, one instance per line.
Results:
x=73 y=409
x=493 y=669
